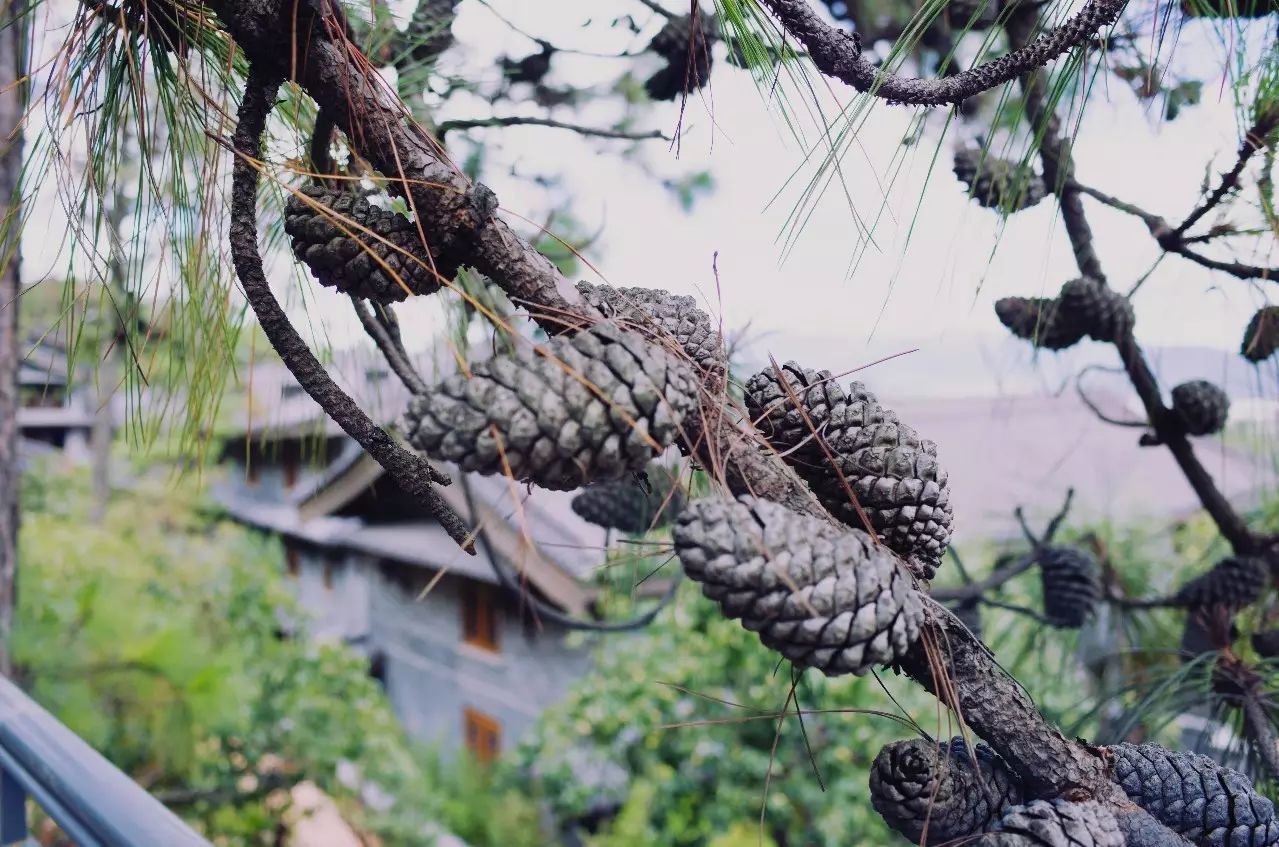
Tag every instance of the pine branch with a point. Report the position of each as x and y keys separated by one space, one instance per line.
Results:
x=411 y=472
x=516 y=120
x=838 y=53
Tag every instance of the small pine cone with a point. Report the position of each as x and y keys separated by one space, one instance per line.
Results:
x=823 y=597
x=976 y=14
x=1055 y=823
x=1201 y=406
x=330 y=232
x=1104 y=314
x=993 y=182
x=892 y=472
x=789 y=412
x=1071 y=586
x=587 y=408
x=917 y=784
x=626 y=505
x=1232 y=583
x=676 y=317
x=1266 y=643
x=1261 y=338
x=688 y=55
x=1036 y=320
x=1190 y=794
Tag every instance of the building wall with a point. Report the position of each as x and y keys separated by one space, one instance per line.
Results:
x=432 y=676
x=336 y=606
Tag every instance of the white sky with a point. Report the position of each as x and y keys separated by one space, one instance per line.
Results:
x=935 y=293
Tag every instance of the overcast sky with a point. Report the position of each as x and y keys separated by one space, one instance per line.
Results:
x=934 y=293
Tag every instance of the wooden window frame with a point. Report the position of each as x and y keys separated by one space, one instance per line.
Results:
x=293 y=560
x=482 y=735
x=291 y=474
x=479 y=617
x=329 y=568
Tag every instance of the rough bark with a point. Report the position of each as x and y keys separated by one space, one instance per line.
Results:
x=12 y=46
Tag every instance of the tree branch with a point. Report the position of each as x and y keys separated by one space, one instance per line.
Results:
x=1059 y=174
x=515 y=120
x=410 y=472
x=838 y=53
x=391 y=350
x=1256 y=138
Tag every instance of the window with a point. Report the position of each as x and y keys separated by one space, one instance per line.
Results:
x=293 y=559
x=290 y=474
x=483 y=735
x=479 y=617
x=251 y=473
x=328 y=576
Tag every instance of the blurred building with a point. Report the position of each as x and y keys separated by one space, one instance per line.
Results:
x=55 y=412
x=465 y=662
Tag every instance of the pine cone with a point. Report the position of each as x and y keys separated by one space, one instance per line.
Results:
x=1232 y=583
x=1036 y=320
x=675 y=317
x=626 y=505
x=892 y=472
x=1261 y=338
x=823 y=597
x=1191 y=794
x=975 y=15
x=1104 y=314
x=1071 y=586
x=1266 y=643
x=993 y=182
x=331 y=235
x=788 y=412
x=917 y=784
x=687 y=51
x=588 y=408
x=1201 y=406
x=1056 y=823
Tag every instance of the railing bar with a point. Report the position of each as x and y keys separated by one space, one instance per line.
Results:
x=13 y=810
x=63 y=816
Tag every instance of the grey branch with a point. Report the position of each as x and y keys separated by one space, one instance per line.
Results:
x=446 y=127
x=838 y=53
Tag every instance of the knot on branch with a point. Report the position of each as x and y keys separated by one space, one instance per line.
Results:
x=357 y=248
x=868 y=468
x=1213 y=806
x=823 y=597
x=592 y=407
x=938 y=793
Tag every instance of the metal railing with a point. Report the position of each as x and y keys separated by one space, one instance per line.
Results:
x=93 y=802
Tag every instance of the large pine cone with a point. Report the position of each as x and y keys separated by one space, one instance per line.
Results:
x=1232 y=583
x=588 y=408
x=676 y=317
x=1211 y=805
x=1103 y=313
x=1056 y=823
x=993 y=182
x=1201 y=407
x=353 y=246
x=688 y=54
x=627 y=505
x=1071 y=586
x=808 y=401
x=892 y=472
x=917 y=784
x=1036 y=319
x=822 y=596
x=1261 y=338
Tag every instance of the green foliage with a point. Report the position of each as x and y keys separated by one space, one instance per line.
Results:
x=153 y=635
x=689 y=711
